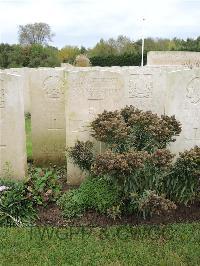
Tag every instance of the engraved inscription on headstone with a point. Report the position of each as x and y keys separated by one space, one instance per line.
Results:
x=94 y=107
x=55 y=150
x=2 y=94
x=193 y=90
x=140 y=86
x=78 y=126
x=95 y=89
x=194 y=134
x=99 y=88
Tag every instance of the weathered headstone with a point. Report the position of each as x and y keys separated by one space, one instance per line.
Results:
x=48 y=115
x=12 y=128
x=183 y=101
x=143 y=87
x=24 y=72
x=88 y=94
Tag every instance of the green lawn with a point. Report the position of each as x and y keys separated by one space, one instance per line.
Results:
x=177 y=244
x=28 y=138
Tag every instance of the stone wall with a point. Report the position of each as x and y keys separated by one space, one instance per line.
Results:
x=188 y=59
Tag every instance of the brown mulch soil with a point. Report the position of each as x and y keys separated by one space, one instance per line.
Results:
x=51 y=215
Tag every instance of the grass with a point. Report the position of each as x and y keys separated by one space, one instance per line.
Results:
x=28 y=138
x=177 y=244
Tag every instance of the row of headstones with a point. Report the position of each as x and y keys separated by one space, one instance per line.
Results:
x=64 y=102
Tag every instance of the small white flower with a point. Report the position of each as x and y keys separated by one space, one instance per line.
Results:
x=2 y=188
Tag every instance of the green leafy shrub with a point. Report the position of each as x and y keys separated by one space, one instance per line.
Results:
x=184 y=180
x=125 y=59
x=71 y=204
x=97 y=194
x=16 y=209
x=43 y=186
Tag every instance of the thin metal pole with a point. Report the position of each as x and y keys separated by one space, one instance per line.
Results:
x=142 y=61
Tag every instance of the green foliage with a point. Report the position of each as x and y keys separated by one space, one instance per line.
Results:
x=184 y=180
x=126 y=59
x=18 y=203
x=97 y=194
x=28 y=137
x=16 y=209
x=28 y=56
x=68 y=54
x=71 y=204
x=39 y=56
x=43 y=186
x=113 y=52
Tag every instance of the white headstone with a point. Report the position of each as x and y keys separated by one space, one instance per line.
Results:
x=48 y=115
x=12 y=128
x=183 y=101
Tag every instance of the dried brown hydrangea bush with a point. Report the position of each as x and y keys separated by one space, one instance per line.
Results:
x=82 y=154
x=150 y=203
x=136 y=156
x=133 y=128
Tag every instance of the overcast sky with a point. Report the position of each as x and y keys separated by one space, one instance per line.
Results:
x=84 y=22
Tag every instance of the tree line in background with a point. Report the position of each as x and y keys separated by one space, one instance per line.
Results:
x=34 y=51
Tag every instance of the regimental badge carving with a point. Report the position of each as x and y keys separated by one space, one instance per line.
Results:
x=193 y=91
x=2 y=94
x=53 y=86
x=140 y=86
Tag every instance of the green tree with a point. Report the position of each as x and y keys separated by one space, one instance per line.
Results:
x=68 y=54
